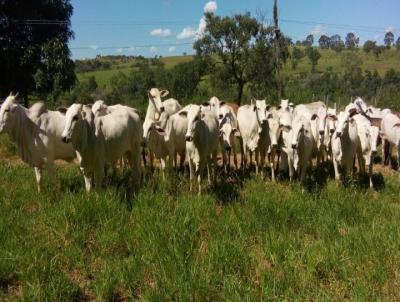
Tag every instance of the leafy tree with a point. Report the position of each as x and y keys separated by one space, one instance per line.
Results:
x=231 y=39
x=309 y=40
x=324 y=42
x=371 y=83
x=398 y=43
x=378 y=50
x=336 y=43
x=389 y=39
x=33 y=55
x=297 y=55
x=351 y=41
x=313 y=55
x=369 y=46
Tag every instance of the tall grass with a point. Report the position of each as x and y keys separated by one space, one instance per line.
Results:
x=245 y=239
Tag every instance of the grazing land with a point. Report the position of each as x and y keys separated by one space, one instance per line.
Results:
x=244 y=239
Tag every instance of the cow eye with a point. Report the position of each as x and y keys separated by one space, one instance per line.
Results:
x=7 y=110
x=75 y=118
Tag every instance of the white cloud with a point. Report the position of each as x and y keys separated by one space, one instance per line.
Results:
x=153 y=49
x=319 y=30
x=172 y=49
x=94 y=47
x=390 y=28
x=119 y=50
x=132 y=48
x=210 y=7
x=186 y=33
x=189 y=32
x=160 y=32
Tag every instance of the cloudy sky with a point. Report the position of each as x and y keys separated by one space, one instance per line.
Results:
x=168 y=27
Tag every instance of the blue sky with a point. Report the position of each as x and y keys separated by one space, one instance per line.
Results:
x=168 y=27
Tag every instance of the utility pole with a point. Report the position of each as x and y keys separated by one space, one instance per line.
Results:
x=277 y=52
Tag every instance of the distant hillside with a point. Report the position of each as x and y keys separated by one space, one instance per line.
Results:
x=329 y=58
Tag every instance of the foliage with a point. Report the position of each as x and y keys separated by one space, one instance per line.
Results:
x=369 y=46
x=351 y=41
x=336 y=43
x=297 y=55
x=324 y=42
x=389 y=39
x=35 y=57
x=313 y=55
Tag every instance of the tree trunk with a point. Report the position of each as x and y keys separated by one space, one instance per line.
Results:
x=239 y=92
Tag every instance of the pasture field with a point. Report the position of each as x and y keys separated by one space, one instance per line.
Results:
x=329 y=58
x=245 y=239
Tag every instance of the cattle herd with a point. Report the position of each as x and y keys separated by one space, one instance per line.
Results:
x=290 y=138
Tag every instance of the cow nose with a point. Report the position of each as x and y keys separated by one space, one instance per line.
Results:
x=274 y=145
x=188 y=138
x=294 y=146
x=373 y=152
x=264 y=121
x=321 y=132
x=162 y=109
x=143 y=143
x=228 y=148
x=332 y=130
x=338 y=134
x=220 y=116
x=65 y=139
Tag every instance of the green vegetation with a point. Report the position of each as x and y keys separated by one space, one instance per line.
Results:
x=242 y=241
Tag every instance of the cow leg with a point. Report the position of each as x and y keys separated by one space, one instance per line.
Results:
x=162 y=164
x=99 y=176
x=386 y=152
x=398 y=156
x=51 y=172
x=235 y=159
x=38 y=175
x=244 y=156
x=272 y=164
x=257 y=159
x=291 y=167
x=370 y=170
x=191 y=174
x=88 y=180
x=336 y=167
x=263 y=155
x=200 y=171
x=182 y=159
x=208 y=163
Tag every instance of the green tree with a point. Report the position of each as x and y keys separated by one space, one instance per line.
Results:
x=351 y=41
x=309 y=40
x=231 y=39
x=389 y=39
x=324 y=42
x=313 y=55
x=336 y=43
x=369 y=46
x=297 y=55
x=33 y=55
x=398 y=43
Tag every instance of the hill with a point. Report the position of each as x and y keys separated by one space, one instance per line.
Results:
x=329 y=58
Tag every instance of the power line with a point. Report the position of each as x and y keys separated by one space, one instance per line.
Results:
x=128 y=47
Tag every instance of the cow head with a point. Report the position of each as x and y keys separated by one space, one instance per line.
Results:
x=374 y=137
x=99 y=108
x=7 y=112
x=227 y=132
x=73 y=117
x=273 y=128
x=194 y=116
x=214 y=104
x=343 y=120
x=260 y=108
x=301 y=126
x=155 y=96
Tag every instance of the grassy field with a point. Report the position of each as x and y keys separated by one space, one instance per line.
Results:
x=329 y=58
x=243 y=240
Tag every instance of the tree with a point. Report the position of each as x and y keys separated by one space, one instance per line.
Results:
x=351 y=41
x=369 y=46
x=350 y=61
x=35 y=56
x=398 y=43
x=336 y=43
x=313 y=55
x=389 y=39
x=297 y=55
x=324 y=42
x=309 y=40
x=231 y=39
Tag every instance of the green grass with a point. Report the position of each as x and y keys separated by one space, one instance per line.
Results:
x=246 y=241
x=329 y=58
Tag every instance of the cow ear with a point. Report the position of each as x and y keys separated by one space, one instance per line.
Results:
x=183 y=113
x=206 y=104
x=160 y=130
x=352 y=111
x=269 y=115
x=314 y=116
x=268 y=107
x=62 y=110
x=279 y=107
x=83 y=113
x=13 y=107
x=376 y=121
x=164 y=93
x=397 y=125
x=351 y=120
x=332 y=117
x=89 y=105
x=252 y=101
x=222 y=103
x=236 y=132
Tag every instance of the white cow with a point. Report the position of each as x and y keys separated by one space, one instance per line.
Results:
x=253 y=127
x=100 y=108
x=390 y=132
x=302 y=144
x=331 y=122
x=285 y=143
x=37 y=133
x=103 y=140
x=345 y=143
x=368 y=136
x=156 y=106
x=274 y=132
x=228 y=133
x=201 y=142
